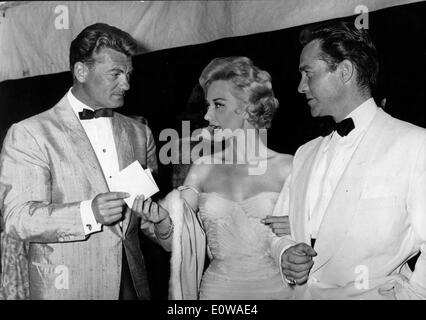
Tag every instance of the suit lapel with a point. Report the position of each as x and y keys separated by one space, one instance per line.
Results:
x=300 y=223
x=82 y=147
x=343 y=204
x=125 y=152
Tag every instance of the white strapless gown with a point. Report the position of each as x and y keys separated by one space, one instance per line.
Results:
x=242 y=267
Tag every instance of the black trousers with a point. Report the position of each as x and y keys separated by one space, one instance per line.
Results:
x=127 y=289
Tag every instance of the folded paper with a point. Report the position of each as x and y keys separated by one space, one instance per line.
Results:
x=135 y=181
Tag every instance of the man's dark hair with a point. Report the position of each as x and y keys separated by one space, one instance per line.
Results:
x=343 y=40
x=97 y=36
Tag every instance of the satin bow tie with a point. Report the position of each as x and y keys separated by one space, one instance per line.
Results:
x=343 y=127
x=87 y=114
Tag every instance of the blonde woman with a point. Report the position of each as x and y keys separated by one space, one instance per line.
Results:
x=224 y=200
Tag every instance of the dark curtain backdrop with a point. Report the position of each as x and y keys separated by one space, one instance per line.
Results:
x=163 y=81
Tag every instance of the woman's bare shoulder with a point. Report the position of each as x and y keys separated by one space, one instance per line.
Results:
x=198 y=174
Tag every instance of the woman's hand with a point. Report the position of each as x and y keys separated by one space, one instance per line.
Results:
x=280 y=225
x=149 y=210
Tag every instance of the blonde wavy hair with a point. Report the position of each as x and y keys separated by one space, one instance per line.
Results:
x=253 y=87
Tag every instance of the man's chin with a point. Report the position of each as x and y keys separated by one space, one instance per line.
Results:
x=115 y=105
x=117 y=101
x=314 y=112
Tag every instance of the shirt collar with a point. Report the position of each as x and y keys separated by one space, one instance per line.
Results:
x=363 y=114
x=76 y=104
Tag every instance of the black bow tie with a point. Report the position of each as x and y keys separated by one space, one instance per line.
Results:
x=343 y=127
x=87 y=114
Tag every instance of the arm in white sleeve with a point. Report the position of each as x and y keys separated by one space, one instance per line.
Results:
x=415 y=288
x=280 y=244
x=90 y=225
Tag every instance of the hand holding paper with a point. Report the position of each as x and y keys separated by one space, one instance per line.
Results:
x=135 y=181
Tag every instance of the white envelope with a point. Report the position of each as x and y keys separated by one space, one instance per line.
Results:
x=135 y=181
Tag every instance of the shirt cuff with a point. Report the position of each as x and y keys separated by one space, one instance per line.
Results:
x=90 y=225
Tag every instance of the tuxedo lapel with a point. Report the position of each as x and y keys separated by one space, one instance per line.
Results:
x=300 y=210
x=122 y=141
x=86 y=156
x=81 y=145
x=344 y=202
x=125 y=152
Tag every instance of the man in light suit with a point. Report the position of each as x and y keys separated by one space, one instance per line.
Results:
x=54 y=179
x=356 y=198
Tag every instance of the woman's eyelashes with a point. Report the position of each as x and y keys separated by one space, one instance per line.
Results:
x=218 y=105
x=215 y=104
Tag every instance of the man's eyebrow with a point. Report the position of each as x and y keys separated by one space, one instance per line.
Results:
x=215 y=99
x=116 y=69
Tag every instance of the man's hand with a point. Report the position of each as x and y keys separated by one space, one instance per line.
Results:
x=108 y=207
x=280 y=225
x=296 y=262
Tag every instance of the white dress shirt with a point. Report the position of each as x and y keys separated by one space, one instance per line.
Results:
x=99 y=131
x=333 y=157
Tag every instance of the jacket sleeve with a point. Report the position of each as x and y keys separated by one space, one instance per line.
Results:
x=26 y=195
x=415 y=287
x=280 y=244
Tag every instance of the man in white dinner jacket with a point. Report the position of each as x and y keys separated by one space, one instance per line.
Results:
x=356 y=198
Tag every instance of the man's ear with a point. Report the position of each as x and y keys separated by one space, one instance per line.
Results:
x=80 y=71
x=347 y=70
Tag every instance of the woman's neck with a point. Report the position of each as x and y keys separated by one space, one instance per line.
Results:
x=246 y=146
